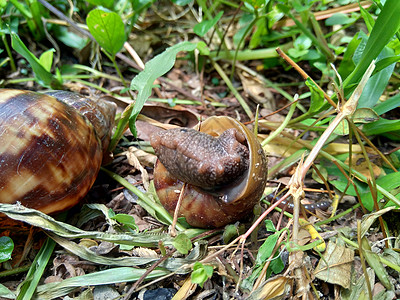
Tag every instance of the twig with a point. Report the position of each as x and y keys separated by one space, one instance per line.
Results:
x=65 y=18
x=304 y=74
x=176 y=212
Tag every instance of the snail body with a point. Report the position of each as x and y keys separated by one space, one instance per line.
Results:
x=224 y=168
x=50 y=151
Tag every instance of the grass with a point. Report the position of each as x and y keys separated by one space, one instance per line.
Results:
x=334 y=92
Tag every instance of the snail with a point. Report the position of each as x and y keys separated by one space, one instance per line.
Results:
x=223 y=165
x=51 y=147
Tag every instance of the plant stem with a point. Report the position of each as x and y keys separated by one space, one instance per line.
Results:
x=281 y=127
x=248 y=54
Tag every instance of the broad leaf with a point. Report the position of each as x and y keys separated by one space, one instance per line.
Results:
x=46 y=59
x=6 y=248
x=182 y=243
x=42 y=76
x=108 y=30
x=201 y=273
x=143 y=82
x=202 y=28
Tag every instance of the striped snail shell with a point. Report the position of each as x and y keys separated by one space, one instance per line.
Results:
x=51 y=147
x=223 y=165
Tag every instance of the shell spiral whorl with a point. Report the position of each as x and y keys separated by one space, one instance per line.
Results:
x=50 y=153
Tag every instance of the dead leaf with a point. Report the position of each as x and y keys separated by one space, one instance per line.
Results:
x=134 y=161
x=335 y=265
x=145 y=158
x=361 y=165
x=178 y=116
x=274 y=288
x=257 y=90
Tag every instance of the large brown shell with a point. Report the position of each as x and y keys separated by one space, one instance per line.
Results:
x=50 y=153
x=229 y=204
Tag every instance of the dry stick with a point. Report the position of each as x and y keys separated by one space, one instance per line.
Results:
x=65 y=18
x=346 y=111
x=381 y=155
x=143 y=277
x=229 y=25
x=304 y=74
x=372 y=187
x=176 y=212
x=350 y=181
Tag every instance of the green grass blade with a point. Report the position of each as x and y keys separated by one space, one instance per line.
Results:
x=28 y=286
x=43 y=77
x=111 y=276
x=386 y=25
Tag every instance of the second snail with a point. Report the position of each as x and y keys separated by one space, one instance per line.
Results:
x=51 y=147
x=223 y=167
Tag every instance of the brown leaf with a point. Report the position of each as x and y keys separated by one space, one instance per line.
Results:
x=178 y=116
x=335 y=265
x=274 y=288
x=134 y=161
x=257 y=90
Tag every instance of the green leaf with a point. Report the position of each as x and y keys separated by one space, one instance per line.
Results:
x=70 y=38
x=154 y=68
x=42 y=76
x=377 y=84
x=386 y=25
x=201 y=273
x=386 y=62
x=6 y=293
x=347 y=65
x=388 y=105
x=203 y=48
x=181 y=2
x=6 y=248
x=182 y=243
x=365 y=115
x=338 y=19
x=297 y=53
x=105 y=3
x=342 y=128
x=269 y=225
x=302 y=42
x=108 y=30
x=55 y=290
x=46 y=59
x=368 y=19
x=260 y=30
x=266 y=248
x=277 y=265
x=231 y=231
x=127 y=220
x=374 y=262
x=317 y=96
x=202 y=28
x=381 y=126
